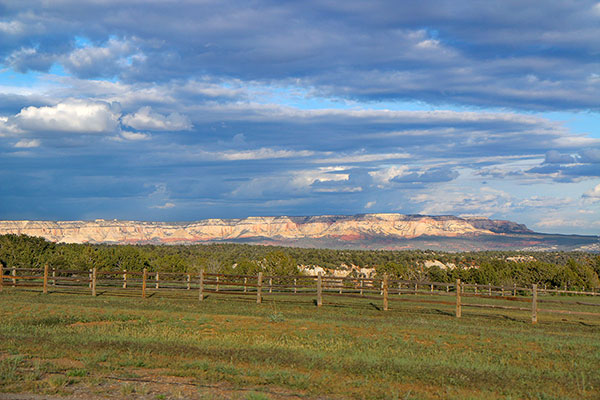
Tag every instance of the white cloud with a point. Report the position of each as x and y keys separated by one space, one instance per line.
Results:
x=370 y=204
x=565 y=222
x=147 y=119
x=164 y=206
x=362 y=158
x=593 y=194
x=343 y=189
x=12 y=27
x=27 y=143
x=306 y=178
x=383 y=176
x=485 y=202
x=263 y=154
x=545 y=202
x=87 y=57
x=135 y=135
x=76 y=116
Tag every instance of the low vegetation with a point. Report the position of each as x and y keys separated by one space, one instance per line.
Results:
x=230 y=347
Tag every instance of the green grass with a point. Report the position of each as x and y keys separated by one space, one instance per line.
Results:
x=348 y=348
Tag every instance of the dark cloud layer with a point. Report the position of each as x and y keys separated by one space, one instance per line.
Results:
x=518 y=54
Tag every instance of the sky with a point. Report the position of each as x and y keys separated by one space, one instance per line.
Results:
x=187 y=110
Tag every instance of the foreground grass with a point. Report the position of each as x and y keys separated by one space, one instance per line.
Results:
x=229 y=347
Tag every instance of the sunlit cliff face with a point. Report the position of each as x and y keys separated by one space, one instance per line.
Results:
x=339 y=227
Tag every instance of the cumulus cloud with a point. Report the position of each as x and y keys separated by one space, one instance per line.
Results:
x=107 y=60
x=593 y=194
x=27 y=143
x=146 y=119
x=74 y=116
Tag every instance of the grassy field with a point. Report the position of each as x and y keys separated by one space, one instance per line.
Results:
x=228 y=347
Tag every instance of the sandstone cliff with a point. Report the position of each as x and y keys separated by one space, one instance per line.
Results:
x=350 y=228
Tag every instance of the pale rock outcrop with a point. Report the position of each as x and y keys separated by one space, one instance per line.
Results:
x=284 y=228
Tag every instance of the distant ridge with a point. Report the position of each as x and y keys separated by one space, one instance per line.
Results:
x=389 y=231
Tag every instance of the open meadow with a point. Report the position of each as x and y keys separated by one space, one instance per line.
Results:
x=117 y=345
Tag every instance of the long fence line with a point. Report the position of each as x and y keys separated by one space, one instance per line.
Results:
x=381 y=288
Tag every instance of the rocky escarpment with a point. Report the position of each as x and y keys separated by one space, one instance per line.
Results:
x=349 y=228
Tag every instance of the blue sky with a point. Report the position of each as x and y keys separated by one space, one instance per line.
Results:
x=151 y=110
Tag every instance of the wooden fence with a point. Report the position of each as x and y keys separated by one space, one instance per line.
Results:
x=382 y=288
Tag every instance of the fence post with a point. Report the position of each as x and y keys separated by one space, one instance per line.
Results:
x=534 y=304
x=458 y=306
x=245 y=282
x=489 y=289
x=94 y=281
x=319 y=290
x=341 y=285
x=14 y=273
x=361 y=286
x=385 y=292
x=259 y=289
x=416 y=288
x=201 y=286
x=295 y=289
x=53 y=276
x=90 y=278
x=45 y=289
x=514 y=289
x=144 y=278
x=270 y=285
x=1 y=277
x=399 y=288
x=156 y=279
x=475 y=288
x=189 y=281
x=217 y=287
x=124 y=279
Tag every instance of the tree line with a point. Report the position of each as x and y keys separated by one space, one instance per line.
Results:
x=554 y=269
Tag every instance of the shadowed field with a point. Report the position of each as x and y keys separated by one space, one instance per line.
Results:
x=230 y=347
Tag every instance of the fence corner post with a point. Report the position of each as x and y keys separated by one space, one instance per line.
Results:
x=45 y=289
x=534 y=304
x=144 y=278
x=385 y=292
x=319 y=289
x=1 y=277
x=94 y=281
x=458 y=305
x=201 y=286
x=124 y=279
x=259 y=289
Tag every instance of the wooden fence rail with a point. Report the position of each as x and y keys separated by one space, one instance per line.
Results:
x=381 y=289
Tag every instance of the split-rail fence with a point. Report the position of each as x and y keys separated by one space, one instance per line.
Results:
x=383 y=288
